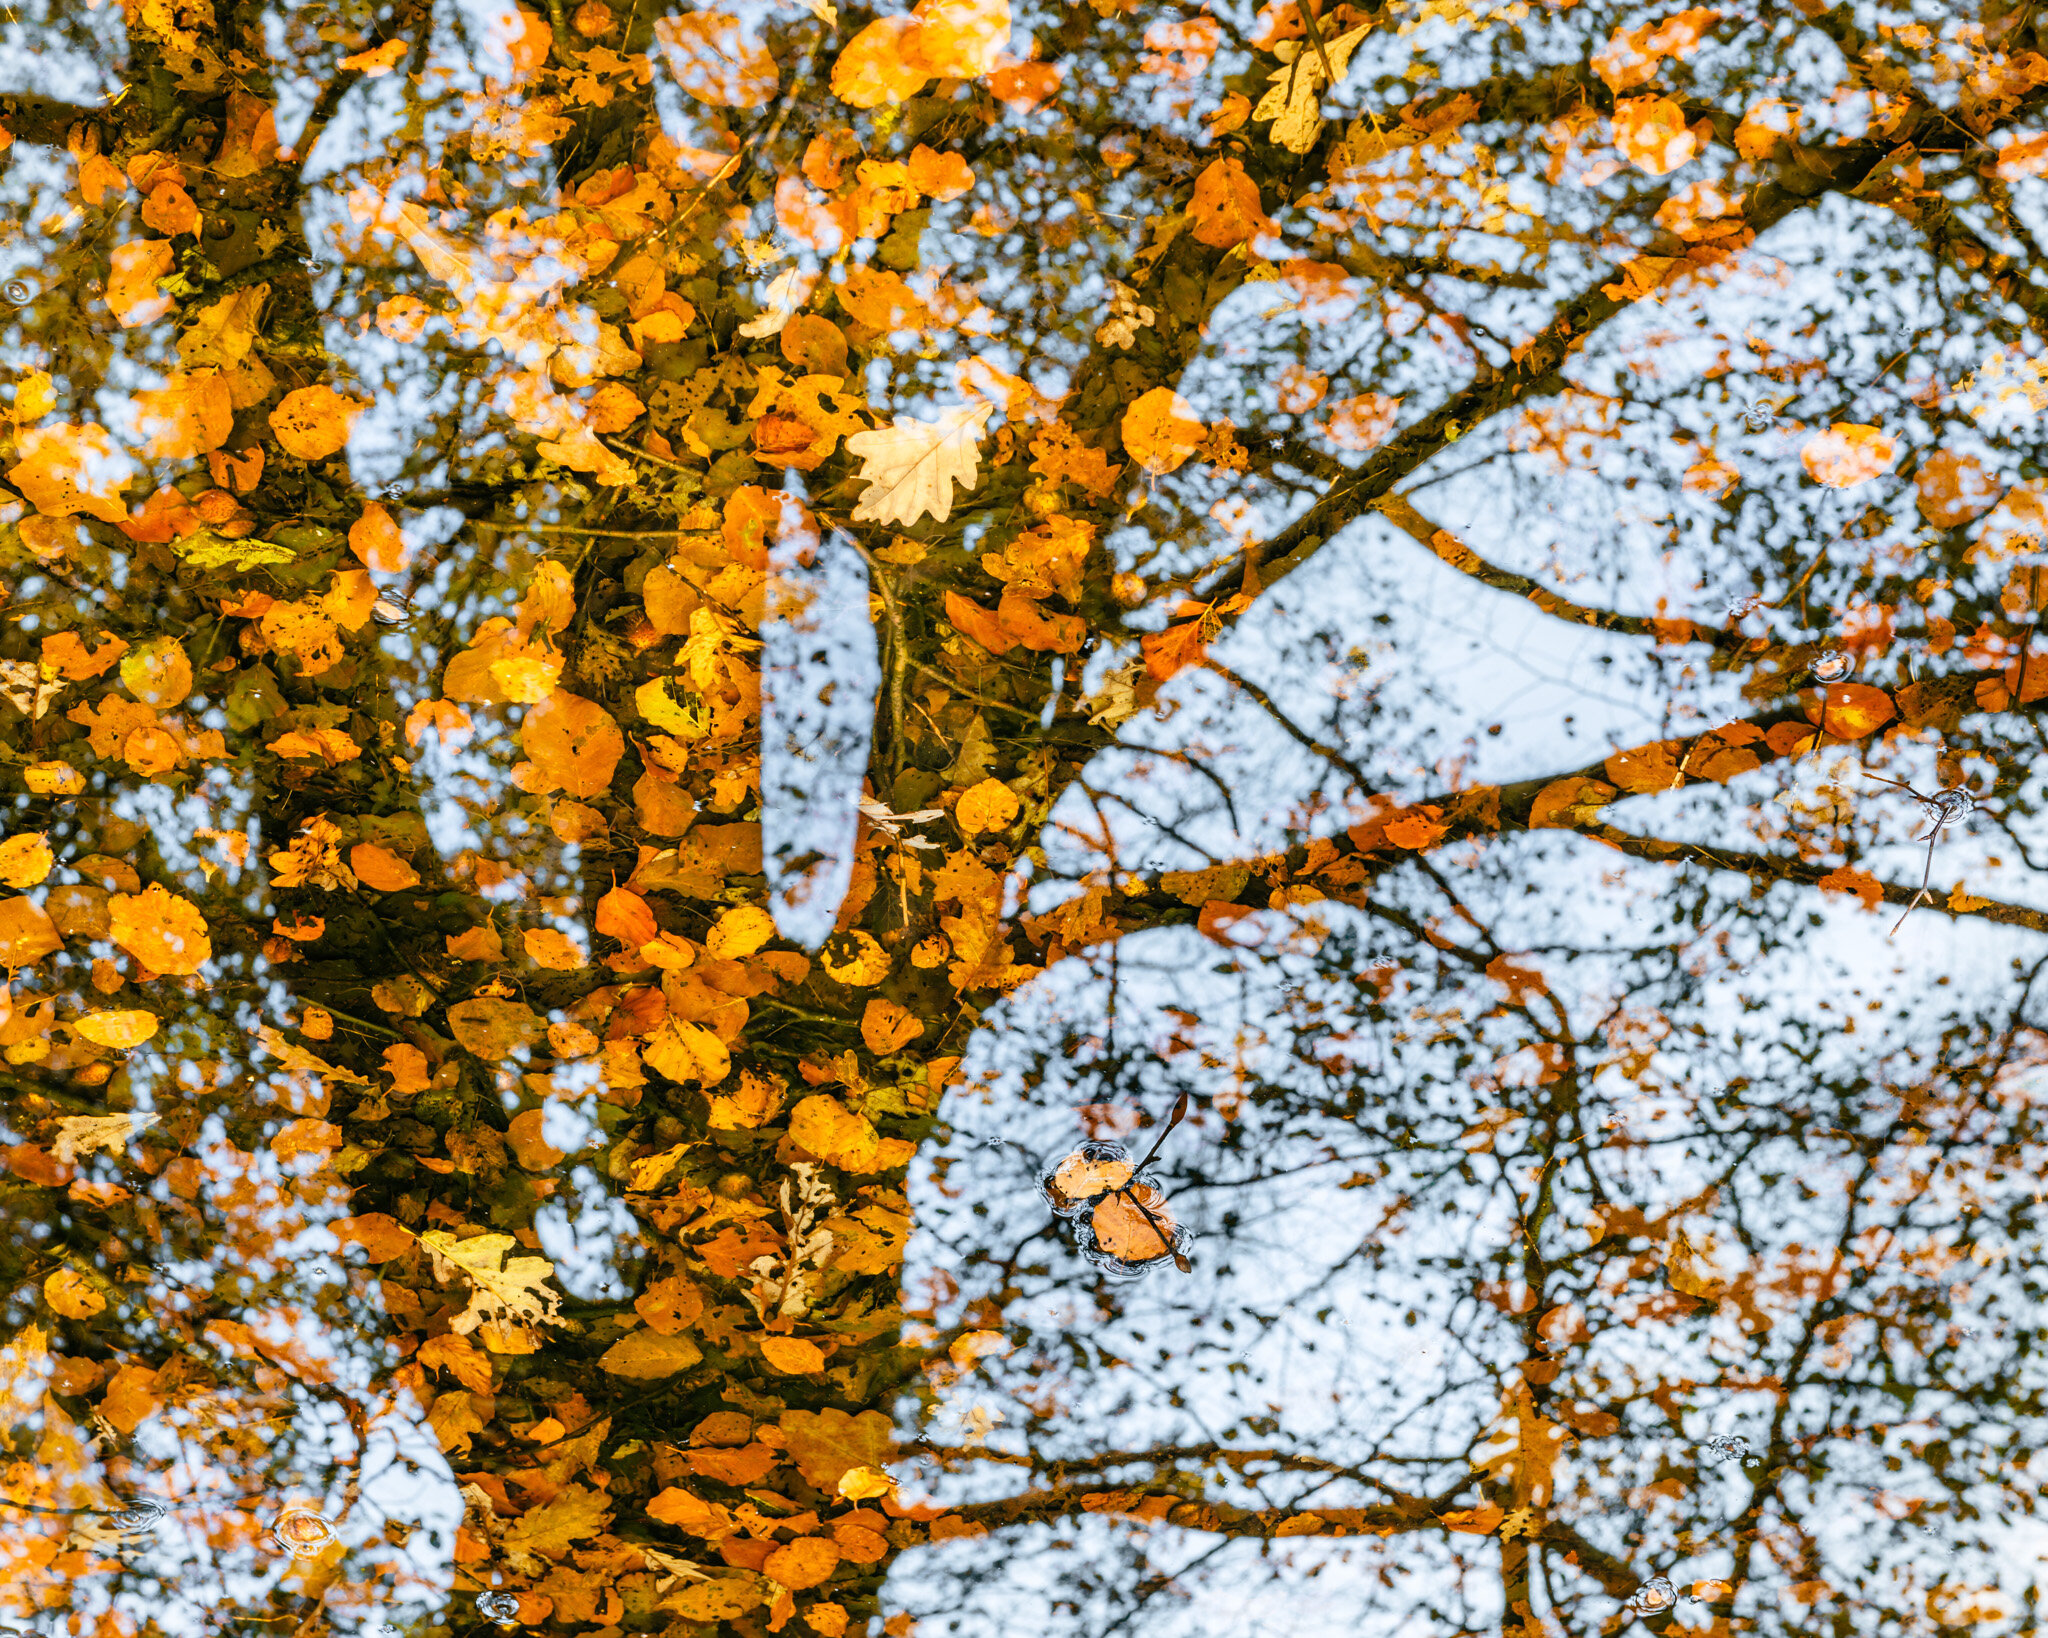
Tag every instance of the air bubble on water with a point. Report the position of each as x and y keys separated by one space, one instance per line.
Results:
x=1655 y=1595
x=138 y=1518
x=1832 y=666
x=302 y=1532
x=500 y=1607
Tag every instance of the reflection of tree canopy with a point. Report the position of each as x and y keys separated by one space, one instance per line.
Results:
x=589 y=595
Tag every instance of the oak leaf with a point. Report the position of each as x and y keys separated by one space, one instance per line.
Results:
x=911 y=467
x=512 y=1294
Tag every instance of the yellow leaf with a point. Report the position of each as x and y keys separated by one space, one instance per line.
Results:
x=72 y=1295
x=792 y=1356
x=381 y=870
x=165 y=933
x=864 y=1483
x=739 y=932
x=1161 y=430
x=1848 y=454
x=684 y=1052
x=990 y=805
x=806 y=1562
x=119 y=1030
x=25 y=859
x=1965 y=902
x=545 y=947
x=854 y=958
x=647 y=1356
x=823 y=1126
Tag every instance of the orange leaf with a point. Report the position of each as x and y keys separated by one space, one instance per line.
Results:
x=886 y=1027
x=313 y=422
x=533 y=1152
x=1860 y=882
x=130 y=1397
x=376 y=540
x=805 y=1562
x=1651 y=132
x=72 y=1295
x=624 y=915
x=71 y=468
x=792 y=1356
x=1173 y=650
x=460 y=1358
x=1645 y=768
x=957 y=39
x=381 y=870
x=1848 y=710
x=716 y=60
x=972 y=620
x=872 y=69
x=545 y=947
x=1848 y=454
x=1417 y=829
x=1160 y=429
x=25 y=859
x=1225 y=207
x=132 y=294
x=990 y=805
x=574 y=743
x=165 y=933
x=169 y=210
x=382 y=1237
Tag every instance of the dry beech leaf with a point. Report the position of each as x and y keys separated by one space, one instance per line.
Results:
x=72 y=1295
x=647 y=1356
x=165 y=933
x=792 y=1356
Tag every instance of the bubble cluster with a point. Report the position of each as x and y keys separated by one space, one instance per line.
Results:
x=1741 y=608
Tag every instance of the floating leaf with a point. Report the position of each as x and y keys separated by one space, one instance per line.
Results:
x=910 y=468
